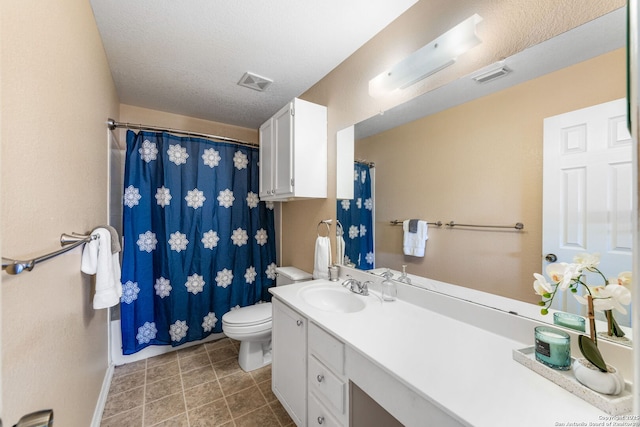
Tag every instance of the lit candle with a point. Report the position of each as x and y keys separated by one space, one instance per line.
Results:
x=553 y=348
x=569 y=320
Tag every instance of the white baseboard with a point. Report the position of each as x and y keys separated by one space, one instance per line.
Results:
x=102 y=399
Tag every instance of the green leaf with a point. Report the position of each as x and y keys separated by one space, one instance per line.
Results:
x=574 y=290
x=546 y=295
x=544 y=311
x=590 y=351
x=542 y=303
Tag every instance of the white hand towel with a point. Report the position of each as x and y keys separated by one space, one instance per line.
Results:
x=340 y=250
x=413 y=244
x=322 y=259
x=97 y=259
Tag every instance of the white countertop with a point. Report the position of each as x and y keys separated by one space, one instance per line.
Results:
x=467 y=371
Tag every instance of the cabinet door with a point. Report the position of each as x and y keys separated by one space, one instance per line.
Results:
x=289 y=366
x=283 y=151
x=266 y=159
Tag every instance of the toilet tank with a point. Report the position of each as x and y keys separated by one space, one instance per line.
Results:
x=289 y=275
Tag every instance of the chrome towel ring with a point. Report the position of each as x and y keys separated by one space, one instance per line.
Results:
x=326 y=222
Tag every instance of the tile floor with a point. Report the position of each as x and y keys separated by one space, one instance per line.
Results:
x=200 y=386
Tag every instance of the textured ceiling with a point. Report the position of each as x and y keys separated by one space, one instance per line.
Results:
x=187 y=57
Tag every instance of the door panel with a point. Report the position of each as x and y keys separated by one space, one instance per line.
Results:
x=587 y=191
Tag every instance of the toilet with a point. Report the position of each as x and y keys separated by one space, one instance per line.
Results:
x=251 y=325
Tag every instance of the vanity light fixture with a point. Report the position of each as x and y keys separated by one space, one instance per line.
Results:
x=429 y=59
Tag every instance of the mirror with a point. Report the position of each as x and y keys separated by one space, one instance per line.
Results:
x=472 y=153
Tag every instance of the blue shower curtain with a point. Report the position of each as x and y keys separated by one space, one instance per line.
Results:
x=197 y=240
x=356 y=217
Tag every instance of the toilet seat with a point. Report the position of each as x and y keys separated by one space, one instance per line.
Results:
x=248 y=320
x=242 y=330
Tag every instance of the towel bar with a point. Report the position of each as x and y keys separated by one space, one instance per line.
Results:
x=69 y=241
x=518 y=226
x=398 y=222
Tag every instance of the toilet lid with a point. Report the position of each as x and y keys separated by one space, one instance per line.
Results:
x=249 y=315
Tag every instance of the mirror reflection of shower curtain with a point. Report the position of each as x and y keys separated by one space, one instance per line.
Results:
x=356 y=216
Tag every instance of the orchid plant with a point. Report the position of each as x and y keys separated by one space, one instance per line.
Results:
x=612 y=295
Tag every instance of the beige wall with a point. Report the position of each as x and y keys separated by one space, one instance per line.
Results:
x=480 y=163
x=508 y=27
x=56 y=93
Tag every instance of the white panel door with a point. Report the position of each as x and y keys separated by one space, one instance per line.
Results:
x=587 y=191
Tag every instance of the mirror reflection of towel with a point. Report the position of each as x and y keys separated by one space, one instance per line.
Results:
x=340 y=250
x=322 y=259
x=413 y=244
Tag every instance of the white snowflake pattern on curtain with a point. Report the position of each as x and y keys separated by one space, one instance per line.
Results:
x=196 y=238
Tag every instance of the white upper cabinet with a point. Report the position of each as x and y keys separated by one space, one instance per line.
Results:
x=293 y=153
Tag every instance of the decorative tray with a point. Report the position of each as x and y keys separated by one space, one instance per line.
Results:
x=612 y=405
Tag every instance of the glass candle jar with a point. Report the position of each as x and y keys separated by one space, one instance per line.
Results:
x=569 y=320
x=553 y=347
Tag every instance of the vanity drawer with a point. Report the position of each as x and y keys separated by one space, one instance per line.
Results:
x=324 y=383
x=326 y=348
x=320 y=416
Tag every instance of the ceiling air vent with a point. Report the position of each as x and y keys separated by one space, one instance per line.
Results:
x=255 y=82
x=492 y=74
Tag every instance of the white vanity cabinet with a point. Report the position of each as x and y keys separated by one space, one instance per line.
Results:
x=327 y=383
x=289 y=366
x=293 y=153
x=308 y=370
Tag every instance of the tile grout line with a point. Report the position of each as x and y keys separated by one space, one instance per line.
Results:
x=184 y=398
x=224 y=396
x=144 y=391
x=121 y=411
x=266 y=399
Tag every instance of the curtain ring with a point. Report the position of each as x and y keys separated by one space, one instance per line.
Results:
x=328 y=228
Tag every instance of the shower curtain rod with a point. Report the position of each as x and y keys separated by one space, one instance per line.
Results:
x=366 y=163
x=112 y=124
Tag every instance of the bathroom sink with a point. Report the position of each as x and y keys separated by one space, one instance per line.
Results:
x=333 y=298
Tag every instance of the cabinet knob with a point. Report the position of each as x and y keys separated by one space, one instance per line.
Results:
x=299 y=322
x=320 y=420
x=320 y=378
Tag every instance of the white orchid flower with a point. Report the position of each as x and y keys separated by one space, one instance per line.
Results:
x=620 y=294
x=562 y=273
x=585 y=260
x=624 y=279
x=540 y=285
x=610 y=297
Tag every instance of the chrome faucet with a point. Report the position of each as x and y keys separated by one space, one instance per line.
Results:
x=357 y=287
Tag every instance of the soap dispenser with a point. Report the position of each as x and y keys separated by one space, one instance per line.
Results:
x=389 y=289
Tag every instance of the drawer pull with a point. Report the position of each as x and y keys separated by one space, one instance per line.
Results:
x=321 y=420
x=320 y=378
x=299 y=322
